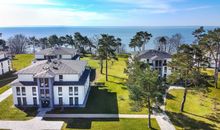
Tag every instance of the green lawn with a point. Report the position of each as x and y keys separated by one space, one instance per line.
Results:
x=4 y=88
x=107 y=124
x=199 y=112
x=9 y=112
x=113 y=97
x=21 y=61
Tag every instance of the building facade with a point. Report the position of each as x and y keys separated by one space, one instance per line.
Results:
x=57 y=53
x=52 y=83
x=157 y=60
x=5 y=63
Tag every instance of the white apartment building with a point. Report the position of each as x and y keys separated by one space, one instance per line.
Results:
x=58 y=53
x=157 y=60
x=51 y=83
x=5 y=63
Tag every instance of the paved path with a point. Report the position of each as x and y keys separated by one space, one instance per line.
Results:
x=4 y=95
x=97 y=116
x=34 y=124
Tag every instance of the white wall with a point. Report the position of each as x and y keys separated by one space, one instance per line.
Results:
x=2 y=56
x=70 y=77
x=6 y=66
x=25 y=77
x=39 y=56
x=65 y=95
x=29 y=95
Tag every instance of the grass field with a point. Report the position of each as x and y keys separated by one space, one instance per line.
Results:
x=9 y=112
x=107 y=124
x=202 y=110
x=113 y=97
x=21 y=61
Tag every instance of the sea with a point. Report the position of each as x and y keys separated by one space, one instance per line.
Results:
x=125 y=33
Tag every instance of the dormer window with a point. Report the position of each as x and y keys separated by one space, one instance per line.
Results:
x=61 y=77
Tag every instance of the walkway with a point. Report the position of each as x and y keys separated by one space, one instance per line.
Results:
x=4 y=95
x=96 y=116
x=34 y=124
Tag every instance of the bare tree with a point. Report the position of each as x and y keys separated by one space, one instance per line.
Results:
x=18 y=44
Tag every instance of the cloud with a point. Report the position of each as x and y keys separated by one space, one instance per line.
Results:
x=13 y=15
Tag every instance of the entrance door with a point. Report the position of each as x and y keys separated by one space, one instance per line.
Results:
x=45 y=103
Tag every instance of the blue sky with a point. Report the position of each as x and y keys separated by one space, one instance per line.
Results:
x=109 y=12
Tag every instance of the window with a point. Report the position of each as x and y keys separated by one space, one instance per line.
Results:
x=147 y=60
x=35 y=101
x=75 y=90
x=71 y=101
x=42 y=92
x=165 y=75
x=18 y=91
x=41 y=82
x=70 y=90
x=24 y=101
x=165 y=69
x=46 y=82
x=23 y=90
x=59 y=90
x=160 y=63
x=2 y=68
x=34 y=91
x=60 y=101
x=76 y=101
x=156 y=63
x=19 y=101
x=61 y=77
x=47 y=93
x=165 y=62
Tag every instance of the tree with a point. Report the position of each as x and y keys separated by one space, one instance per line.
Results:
x=53 y=40
x=168 y=44
x=69 y=40
x=18 y=44
x=106 y=49
x=118 y=42
x=144 y=37
x=44 y=42
x=211 y=42
x=184 y=71
x=62 y=40
x=198 y=34
x=143 y=86
x=34 y=42
x=140 y=40
x=79 y=41
x=2 y=43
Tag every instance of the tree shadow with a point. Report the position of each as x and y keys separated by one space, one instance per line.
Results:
x=7 y=78
x=100 y=101
x=117 y=77
x=215 y=117
x=82 y=123
x=170 y=96
x=92 y=74
x=185 y=122
x=30 y=111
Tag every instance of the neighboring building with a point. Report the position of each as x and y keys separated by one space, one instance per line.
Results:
x=52 y=83
x=58 y=53
x=157 y=60
x=212 y=62
x=5 y=63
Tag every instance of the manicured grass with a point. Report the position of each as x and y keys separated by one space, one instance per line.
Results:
x=107 y=124
x=21 y=61
x=4 y=88
x=113 y=97
x=201 y=111
x=9 y=112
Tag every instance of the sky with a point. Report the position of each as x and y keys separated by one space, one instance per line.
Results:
x=23 y=13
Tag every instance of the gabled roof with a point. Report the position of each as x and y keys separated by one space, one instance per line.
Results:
x=153 y=54
x=46 y=68
x=57 y=51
